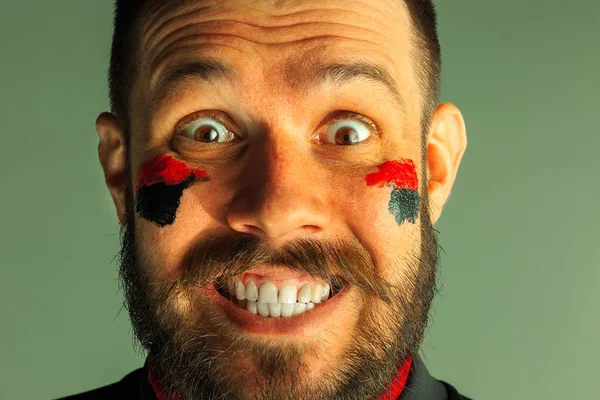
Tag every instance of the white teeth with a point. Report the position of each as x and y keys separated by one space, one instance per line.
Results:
x=304 y=294
x=275 y=310
x=240 y=290
x=262 y=308
x=287 y=310
x=251 y=306
x=325 y=292
x=251 y=291
x=299 y=308
x=287 y=293
x=317 y=293
x=287 y=301
x=268 y=293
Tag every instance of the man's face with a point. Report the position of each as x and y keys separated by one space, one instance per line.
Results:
x=278 y=240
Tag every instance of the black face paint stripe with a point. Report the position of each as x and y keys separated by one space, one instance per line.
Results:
x=159 y=202
x=404 y=204
x=160 y=185
x=401 y=175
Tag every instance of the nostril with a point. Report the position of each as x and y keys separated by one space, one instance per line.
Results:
x=311 y=229
x=255 y=230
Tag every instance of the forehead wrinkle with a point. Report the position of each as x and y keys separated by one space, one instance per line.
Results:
x=177 y=51
x=249 y=10
x=228 y=40
x=161 y=15
x=230 y=30
x=153 y=38
x=166 y=21
x=244 y=29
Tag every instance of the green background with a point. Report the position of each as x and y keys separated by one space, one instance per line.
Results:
x=518 y=316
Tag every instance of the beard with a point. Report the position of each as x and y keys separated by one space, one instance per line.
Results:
x=193 y=349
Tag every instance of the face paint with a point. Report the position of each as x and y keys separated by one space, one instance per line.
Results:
x=402 y=177
x=159 y=186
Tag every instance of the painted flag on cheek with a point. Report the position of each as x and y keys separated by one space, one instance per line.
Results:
x=402 y=177
x=159 y=187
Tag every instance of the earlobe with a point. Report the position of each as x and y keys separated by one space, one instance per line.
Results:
x=447 y=141
x=112 y=155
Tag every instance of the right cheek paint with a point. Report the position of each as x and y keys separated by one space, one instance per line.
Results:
x=160 y=185
x=401 y=176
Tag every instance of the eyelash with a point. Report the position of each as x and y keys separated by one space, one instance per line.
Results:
x=180 y=127
x=355 y=116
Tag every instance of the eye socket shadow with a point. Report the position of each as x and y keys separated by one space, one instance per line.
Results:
x=401 y=175
x=160 y=185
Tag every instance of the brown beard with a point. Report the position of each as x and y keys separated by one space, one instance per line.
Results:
x=192 y=357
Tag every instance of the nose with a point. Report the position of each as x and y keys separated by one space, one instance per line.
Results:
x=281 y=197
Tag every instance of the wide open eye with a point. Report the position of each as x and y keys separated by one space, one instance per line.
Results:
x=345 y=131
x=207 y=130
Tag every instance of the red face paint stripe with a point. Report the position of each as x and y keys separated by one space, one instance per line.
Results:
x=165 y=169
x=400 y=173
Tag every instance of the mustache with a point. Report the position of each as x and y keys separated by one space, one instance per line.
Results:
x=339 y=261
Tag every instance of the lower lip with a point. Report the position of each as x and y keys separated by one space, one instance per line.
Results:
x=297 y=324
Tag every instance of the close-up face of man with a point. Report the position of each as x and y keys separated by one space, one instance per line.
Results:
x=278 y=168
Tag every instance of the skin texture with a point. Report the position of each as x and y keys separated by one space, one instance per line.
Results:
x=276 y=183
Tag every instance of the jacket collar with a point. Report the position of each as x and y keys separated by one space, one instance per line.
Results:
x=421 y=385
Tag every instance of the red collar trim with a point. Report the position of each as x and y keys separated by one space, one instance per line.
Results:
x=393 y=393
x=160 y=393
x=398 y=382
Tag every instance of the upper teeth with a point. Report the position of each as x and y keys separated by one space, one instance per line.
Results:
x=288 y=300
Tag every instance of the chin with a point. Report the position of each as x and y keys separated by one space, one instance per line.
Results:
x=259 y=355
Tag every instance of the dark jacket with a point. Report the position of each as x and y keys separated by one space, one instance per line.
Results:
x=135 y=386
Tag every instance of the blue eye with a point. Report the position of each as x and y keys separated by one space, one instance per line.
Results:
x=207 y=130
x=345 y=131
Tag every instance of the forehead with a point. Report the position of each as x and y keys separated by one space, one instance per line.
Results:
x=367 y=19
x=279 y=34
x=275 y=45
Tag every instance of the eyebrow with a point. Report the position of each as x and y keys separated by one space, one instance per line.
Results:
x=339 y=74
x=199 y=70
x=336 y=74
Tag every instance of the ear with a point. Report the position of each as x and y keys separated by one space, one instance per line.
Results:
x=447 y=141
x=111 y=152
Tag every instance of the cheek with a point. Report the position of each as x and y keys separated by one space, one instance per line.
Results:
x=384 y=214
x=376 y=228
x=158 y=203
x=160 y=185
x=404 y=205
x=401 y=177
x=164 y=249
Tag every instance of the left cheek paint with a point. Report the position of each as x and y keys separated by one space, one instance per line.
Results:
x=160 y=185
x=402 y=177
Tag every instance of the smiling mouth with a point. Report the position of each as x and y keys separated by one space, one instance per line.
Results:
x=270 y=298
